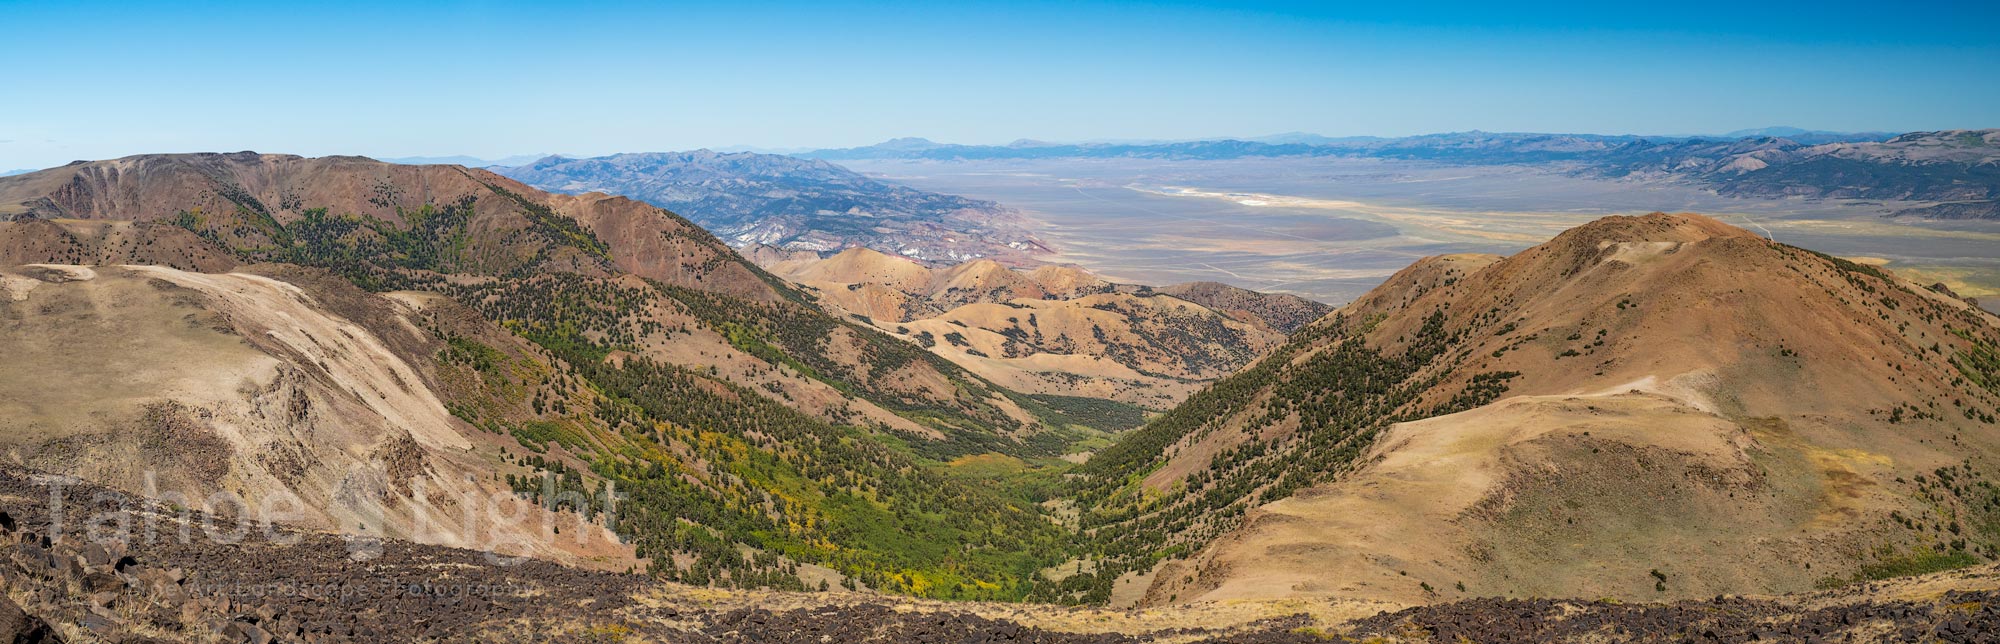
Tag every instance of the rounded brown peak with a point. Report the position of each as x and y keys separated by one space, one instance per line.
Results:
x=864 y=253
x=874 y=262
x=860 y=264
x=986 y=276
x=1063 y=278
x=1625 y=239
x=1062 y=271
x=1655 y=227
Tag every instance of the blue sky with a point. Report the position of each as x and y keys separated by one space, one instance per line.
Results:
x=97 y=80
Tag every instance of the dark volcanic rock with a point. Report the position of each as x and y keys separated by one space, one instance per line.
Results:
x=311 y=591
x=18 y=627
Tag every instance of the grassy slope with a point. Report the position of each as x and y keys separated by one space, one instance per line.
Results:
x=700 y=463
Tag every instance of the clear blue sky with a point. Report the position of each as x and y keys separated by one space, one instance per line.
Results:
x=98 y=80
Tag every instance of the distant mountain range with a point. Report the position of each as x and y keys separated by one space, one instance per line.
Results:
x=1951 y=174
x=1309 y=138
x=919 y=148
x=1806 y=136
x=467 y=161
x=794 y=203
x=1492 y=145
x=1958 y=169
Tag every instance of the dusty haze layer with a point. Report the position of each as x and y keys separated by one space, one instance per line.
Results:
x=1331 y=229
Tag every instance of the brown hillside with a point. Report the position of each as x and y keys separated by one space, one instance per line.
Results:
x=192 y=210
x=1282 y=312
x=1063 y=281
x=1645 y=393
x=1051 y=330
x=321 y=399
x=901 y=289
x=1148 y=351
x=580 y=275
x=99 y=242
x=655 y=244
x=863 y=265
x=254 y=202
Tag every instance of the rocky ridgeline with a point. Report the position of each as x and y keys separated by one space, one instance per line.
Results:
x=288 y=586
x=279 y=587
x=1954 y=617
x=886 y=624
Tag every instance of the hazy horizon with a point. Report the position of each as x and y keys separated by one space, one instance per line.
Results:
x=452 y=157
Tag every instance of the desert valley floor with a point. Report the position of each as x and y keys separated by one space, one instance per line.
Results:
x=1331 y=229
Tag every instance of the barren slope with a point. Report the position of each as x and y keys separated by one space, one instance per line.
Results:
x=1660 y=393
x=1053 y=330
x=185 y=385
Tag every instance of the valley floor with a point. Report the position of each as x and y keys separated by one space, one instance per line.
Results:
x=1331 y=228
x=144 y=581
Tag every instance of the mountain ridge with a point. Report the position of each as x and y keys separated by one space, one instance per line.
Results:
x=355 y=206
x=795 y=204
x=595 y=341
x=1455 y=427
x=1946 y=174
x=1479 y=396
